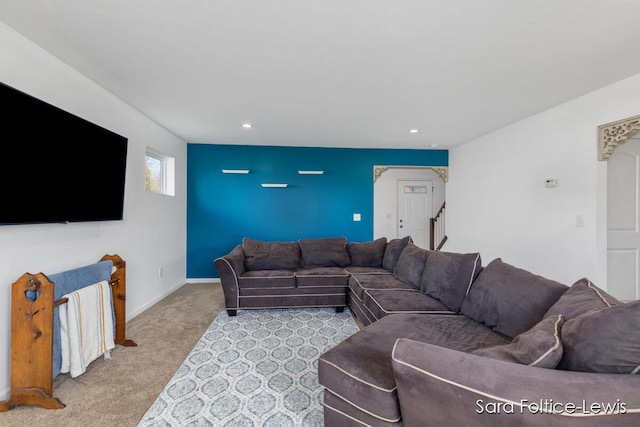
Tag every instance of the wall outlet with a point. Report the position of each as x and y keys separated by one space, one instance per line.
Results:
x=357 y=217
x=160 y=272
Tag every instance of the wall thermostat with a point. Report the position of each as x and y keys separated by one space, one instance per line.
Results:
x=551 y=182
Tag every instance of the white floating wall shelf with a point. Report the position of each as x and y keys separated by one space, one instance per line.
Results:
x=238 y=171
x=274 y=185
x=310 y=172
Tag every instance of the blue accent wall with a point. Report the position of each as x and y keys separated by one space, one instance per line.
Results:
x=224 y=208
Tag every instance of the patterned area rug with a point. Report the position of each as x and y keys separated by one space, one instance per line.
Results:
x=259 y=368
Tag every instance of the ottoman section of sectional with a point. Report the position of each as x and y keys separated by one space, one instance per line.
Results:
x=358 y=370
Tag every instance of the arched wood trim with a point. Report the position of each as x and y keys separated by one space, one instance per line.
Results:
x=613 y=134
x=443 y=171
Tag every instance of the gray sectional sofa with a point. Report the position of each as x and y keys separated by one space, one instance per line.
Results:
x=399 y=287
x=307 y=273
x=374 y=278
x=446 y=340
x=510 y=348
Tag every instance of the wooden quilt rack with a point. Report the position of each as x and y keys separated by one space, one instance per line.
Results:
x=32 y=336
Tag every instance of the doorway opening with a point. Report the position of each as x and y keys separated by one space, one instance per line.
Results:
x=406 y=202
x=619 y=144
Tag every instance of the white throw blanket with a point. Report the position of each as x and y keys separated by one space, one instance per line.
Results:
x=86 y=327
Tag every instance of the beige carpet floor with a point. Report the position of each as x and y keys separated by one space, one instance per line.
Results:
x=119 y=391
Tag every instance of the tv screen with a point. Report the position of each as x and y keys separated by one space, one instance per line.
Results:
x=57 y=167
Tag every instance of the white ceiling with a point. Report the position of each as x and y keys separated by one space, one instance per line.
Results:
x=338 y=73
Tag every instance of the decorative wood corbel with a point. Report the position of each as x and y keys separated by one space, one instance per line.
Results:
x=613 y=134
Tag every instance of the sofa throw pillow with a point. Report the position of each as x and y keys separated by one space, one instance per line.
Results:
x=367 y=254
x=393 y=250
x=540 y=346
x=582 y=297
x=604 y=341
x=448 y=277
x=324 y=252
x=410 y=265
x=510 y=300
x=261 y=255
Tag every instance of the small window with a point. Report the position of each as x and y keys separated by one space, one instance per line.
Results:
x=159 y=172
x=415 y=189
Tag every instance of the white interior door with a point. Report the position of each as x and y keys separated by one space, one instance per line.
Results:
x=623 y=221
x=415 y=200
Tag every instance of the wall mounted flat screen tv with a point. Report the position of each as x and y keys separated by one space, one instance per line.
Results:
x=55 y=166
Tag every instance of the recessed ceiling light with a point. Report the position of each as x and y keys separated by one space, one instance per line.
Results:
x=413 y=130
x=247 y=125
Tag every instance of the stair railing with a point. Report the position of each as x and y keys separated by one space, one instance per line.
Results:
x=437 y=235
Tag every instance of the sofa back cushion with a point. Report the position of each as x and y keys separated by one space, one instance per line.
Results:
x=367 y=254
x=410 y=265
x=582 y=297
x=261 y=255
x=324 y=252
x=600 y=334
x=510 y=300
x=603 y=341
x=448 y=277
x=393 y=250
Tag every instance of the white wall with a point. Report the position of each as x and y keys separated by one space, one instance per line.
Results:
x=153 y=232
x=497 y=202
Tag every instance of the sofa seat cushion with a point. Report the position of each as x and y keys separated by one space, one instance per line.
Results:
x=324 y=252
x=354 y=269
x=322 y=276
x=270 y=255
x=367 y=254
x=359 y=310
x=358 y=283
x=383 y=302
x=509 y=299
x=267 y=279
x=358 y=370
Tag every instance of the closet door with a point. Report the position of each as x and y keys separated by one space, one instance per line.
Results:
x=623 y=221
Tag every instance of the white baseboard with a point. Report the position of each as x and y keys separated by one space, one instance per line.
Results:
x=155 y=300
x=211 y=280
x=171 y=290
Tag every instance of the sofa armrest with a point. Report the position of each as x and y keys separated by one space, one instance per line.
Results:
x=439 y=386
x=230 y=267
